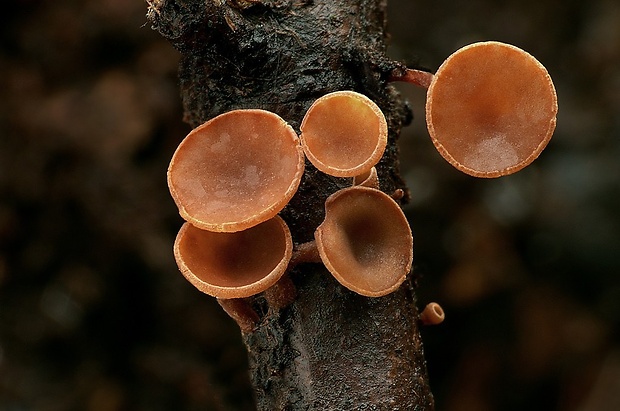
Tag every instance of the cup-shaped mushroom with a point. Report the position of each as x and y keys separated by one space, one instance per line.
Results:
x=344 y=134
x=234 y=265
x=368 y=179
x=491 y=109
x=365 y=241
x=432 y=314
x=236 y=170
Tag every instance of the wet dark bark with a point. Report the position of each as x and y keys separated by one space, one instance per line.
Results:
x=330 y=349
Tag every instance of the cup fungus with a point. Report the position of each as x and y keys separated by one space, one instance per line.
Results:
x=344 y=134
x=491 y=109
x=368 y=179
x=432 y=314
x=234 y=265
x=240 y=310
x=365 y=241
x=236 y=170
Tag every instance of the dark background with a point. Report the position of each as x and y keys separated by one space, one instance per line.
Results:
x=95 y=316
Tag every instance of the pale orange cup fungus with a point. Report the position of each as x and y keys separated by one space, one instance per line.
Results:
x=344 y=134
x=234 y=265
x=368 y=179
x=432 y=314
x=365 y=241
x=491 y=109
x=236 y=170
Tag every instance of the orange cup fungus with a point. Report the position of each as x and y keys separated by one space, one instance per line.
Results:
x=234 y=265
x=432 y=314
x=236 y=170
x=365 y=241
x=491 y=109
x=368 y=179
x=344 y=134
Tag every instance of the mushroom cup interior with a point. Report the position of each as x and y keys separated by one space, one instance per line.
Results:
x=236 y=170
x=344 y=134
x=234 y=265
x=491 y=109
x=365 y=241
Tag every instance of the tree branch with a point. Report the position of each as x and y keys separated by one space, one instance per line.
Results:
x=331 y=348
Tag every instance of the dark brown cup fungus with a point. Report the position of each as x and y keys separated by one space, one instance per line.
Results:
x=491 y=109
x=344 y=134
x=365 y=241
x=236 y=170
x=234 y=265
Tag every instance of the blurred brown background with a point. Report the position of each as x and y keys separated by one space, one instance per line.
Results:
x=94 y=315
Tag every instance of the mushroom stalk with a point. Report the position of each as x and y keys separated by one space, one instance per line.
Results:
x=304 y=253
x=240 y=310
x=418 y=78
x=284 y=292
x=281 y=294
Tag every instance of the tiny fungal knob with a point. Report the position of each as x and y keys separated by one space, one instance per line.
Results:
x=432 y=314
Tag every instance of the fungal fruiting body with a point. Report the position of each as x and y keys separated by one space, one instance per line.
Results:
x=233 y=174
x=236 y=170
x=234 y=265
x=368 y=179
x=432 y=314
x=491 y=109
x=365 y=241
x=344 y=134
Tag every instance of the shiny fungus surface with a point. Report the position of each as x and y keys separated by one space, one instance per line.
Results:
x=236 y=170
x=234 y=265
x=491 y=109
x=365 y=241
x=344 y=134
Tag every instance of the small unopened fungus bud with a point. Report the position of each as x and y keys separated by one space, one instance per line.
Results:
x=432 y=314
x=234 y=265
x=491 y=109
x=235 y=171
x=344 y=134
x=365 y=241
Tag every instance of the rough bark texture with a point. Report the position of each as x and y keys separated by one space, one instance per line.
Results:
x=330 y=349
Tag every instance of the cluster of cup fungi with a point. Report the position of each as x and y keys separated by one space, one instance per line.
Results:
x=490 y=111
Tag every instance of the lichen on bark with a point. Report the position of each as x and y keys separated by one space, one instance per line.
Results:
x=330 y=349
